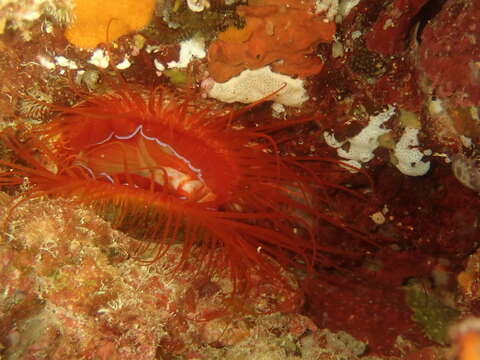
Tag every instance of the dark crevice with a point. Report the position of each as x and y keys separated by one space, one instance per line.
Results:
x=425 y=15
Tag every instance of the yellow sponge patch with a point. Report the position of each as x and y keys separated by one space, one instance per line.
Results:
x=97 y=21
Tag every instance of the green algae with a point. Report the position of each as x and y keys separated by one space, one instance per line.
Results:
x=430 y=312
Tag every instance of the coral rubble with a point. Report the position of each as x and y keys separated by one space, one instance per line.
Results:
x=71 y=292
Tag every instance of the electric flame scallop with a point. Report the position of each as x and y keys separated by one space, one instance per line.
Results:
x=159 y=166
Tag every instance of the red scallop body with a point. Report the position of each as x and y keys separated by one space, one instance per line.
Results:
x=178 y=173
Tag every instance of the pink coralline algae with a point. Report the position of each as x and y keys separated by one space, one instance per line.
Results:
x=389 y=33
x=69 y=291
x=450 y=52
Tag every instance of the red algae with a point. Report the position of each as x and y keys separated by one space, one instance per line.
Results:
x=390 y=32
x=380 y=315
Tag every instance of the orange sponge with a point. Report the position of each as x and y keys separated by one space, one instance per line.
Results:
x=281 y=33
x=97 y=21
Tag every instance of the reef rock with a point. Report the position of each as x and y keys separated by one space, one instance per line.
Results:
x=449 y=52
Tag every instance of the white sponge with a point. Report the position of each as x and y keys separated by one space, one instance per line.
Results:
x=409 y=156
x=253 y=85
